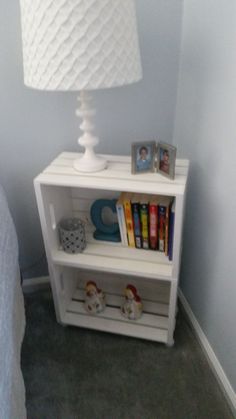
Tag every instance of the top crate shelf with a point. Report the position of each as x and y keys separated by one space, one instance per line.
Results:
x=117 y=177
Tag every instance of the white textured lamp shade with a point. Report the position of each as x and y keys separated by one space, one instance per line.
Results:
x=79 y=44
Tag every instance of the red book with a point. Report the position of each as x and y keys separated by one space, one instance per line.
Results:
x=153 y=222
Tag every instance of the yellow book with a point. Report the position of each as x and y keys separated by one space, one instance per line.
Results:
x=128 y=218
x=144 y=217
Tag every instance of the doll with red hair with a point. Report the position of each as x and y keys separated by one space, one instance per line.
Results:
x=132 y=307
x=94 y=298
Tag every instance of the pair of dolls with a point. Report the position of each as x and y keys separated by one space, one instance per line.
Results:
x=95 y=301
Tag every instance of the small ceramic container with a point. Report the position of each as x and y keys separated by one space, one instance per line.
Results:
x=72 y=235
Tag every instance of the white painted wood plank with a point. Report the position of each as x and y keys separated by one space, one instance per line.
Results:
x=113 y=313
x=112 y=249
x=114 y=326
x=118 y=172
x=112 y=264
x=85 y=204
x=158 y=291
x=67 y=282
x=134 y=185
x=83 y=208
x=90 y=194
x=113 y=173
x=118 y=251
x=117 y=300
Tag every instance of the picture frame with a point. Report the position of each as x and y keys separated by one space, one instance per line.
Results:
x=143 y=157
x=166 y=156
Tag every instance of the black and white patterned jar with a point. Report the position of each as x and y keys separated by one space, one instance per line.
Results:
x=72 y=235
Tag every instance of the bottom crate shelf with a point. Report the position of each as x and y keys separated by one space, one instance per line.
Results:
x=68 y=284
x=152 y=325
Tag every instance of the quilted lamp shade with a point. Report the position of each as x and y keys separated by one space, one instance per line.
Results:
x=80 y=45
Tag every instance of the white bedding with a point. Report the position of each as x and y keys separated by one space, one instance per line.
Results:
x=12 y=320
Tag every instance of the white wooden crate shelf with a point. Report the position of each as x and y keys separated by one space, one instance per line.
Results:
x=152 y=325
x=63 y=192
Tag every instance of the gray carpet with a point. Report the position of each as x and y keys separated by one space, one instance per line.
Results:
x=73 y=373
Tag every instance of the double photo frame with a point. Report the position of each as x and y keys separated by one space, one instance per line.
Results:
x=149 y=157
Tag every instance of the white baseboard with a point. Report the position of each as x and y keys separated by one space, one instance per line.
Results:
x=210 y=355
x=35 y=284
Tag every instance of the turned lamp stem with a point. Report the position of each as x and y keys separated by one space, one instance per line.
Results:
x=89 y=162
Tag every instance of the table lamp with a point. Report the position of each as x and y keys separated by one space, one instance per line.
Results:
x=80 y=45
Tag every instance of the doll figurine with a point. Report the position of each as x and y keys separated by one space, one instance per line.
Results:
x=94 y=298
x=132 y=307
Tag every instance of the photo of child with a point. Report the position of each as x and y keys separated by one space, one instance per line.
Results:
x=166 y=155
x=164 y=161
x=143 y=157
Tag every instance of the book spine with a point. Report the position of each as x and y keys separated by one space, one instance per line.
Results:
x=167 y=230
x=122 y=224
x=171 y=232
x=137 y=225
x=129 y=222
x=153 y=223
x=161 y=227
x=144 y=225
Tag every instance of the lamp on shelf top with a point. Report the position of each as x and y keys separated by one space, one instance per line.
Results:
x=80 y=45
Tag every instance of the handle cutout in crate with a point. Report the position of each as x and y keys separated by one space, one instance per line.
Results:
x=104 y=230
x=52 y=216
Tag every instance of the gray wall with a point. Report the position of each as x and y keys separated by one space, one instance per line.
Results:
x=36 y=126
x=206 y=133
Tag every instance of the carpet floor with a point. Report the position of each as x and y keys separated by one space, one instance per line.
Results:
x=75 y=373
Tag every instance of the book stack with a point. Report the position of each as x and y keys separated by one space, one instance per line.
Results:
x=146 y=221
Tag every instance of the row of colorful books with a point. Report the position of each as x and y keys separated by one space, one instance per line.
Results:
x=146 y=221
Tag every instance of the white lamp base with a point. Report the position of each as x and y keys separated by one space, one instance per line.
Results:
x=89 y=162
x=95 y=164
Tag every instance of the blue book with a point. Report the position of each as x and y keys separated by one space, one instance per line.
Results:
x=136 y=221
x=171 y=231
